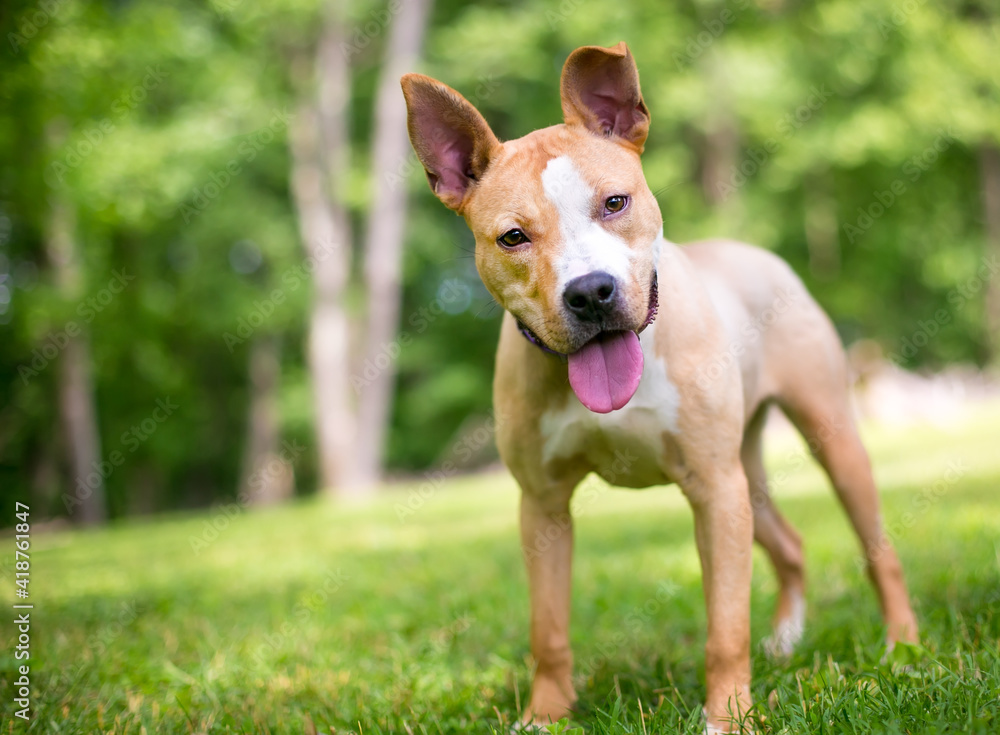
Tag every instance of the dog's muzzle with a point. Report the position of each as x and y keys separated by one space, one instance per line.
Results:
x=597 y=290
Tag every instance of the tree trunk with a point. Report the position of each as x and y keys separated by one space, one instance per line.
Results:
x=720 y=144
x=266 y=477
x=989 y=160
x=320 y=148
x=821 y=226
x=85 y=498
x=385 y=236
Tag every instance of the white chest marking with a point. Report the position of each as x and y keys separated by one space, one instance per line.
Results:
x=586 y=245
x=634 y=431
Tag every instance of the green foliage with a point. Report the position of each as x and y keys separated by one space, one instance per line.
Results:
x=353 y=618
x=163 y=128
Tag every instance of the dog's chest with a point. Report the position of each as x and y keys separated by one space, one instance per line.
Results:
x=625 y=447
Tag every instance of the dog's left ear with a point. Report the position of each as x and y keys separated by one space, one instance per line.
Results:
x=600 y=90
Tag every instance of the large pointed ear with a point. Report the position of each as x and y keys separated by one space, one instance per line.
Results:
x=451 y=138
x=600 y=90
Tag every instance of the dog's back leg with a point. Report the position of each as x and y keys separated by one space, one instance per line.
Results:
x=781 y=542
x=822 y=415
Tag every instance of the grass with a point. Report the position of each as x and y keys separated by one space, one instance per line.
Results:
x=312 y=618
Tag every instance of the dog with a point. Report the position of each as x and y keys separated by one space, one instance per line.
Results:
x=617 y=343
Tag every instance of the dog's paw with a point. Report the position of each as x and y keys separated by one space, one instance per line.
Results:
x=777 y=646
x=787 y=632
x=903 y=658
x=711 y=729
x=562 y=727
x=521 y=728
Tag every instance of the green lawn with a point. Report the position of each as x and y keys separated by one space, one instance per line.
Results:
x=348 y=619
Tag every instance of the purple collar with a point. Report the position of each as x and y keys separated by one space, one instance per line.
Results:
x=533 y=338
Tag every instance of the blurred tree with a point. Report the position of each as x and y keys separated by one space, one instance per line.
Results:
x=266 y=475
x=384 y=238
x=352 y=428
x=320 y=161
x=84 y=501
x=989 y=162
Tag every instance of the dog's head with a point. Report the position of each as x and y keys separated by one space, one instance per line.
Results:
x=566 y=228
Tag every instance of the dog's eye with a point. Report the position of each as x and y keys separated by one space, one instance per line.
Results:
x=615 y=204
x=512 y=238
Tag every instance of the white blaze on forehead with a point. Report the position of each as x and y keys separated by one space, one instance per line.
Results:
x=586 y=245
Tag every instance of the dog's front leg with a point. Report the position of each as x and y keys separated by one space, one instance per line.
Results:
x=547 y=543
x=724 y=534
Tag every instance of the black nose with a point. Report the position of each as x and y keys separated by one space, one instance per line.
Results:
x=591 y=297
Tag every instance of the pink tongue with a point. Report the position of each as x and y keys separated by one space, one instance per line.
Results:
x=605 y=372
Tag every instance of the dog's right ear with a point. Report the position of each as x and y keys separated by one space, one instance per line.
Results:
x=451 y=138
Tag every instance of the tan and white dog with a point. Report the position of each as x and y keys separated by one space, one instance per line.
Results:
x=569 y=240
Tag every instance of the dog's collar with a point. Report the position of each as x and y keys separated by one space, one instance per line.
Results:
x=533 y=338
x=654 y=305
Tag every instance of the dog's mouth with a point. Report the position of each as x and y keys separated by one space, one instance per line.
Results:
x=605 y=371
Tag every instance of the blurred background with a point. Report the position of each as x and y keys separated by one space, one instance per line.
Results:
x=223 y=276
